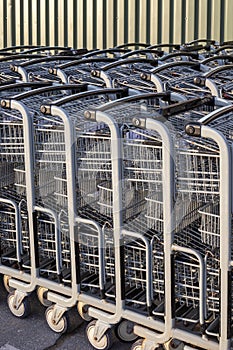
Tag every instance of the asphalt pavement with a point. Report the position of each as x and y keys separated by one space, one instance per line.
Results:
x=33 y=333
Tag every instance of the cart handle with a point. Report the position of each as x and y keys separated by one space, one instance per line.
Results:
x=46 y=109
x=142 y=51
x=43 y=59
x=195 y=65
x=166 y=95
x=183 y=106
x=194 y=128
x=111 y=50
x=195 y=48
x=180 y=53
x=22 y=84
x=215 y=114
x=6 y=53
x=218 y=70
x=16 y=57
x=84 y=60
x=129 y=61
x=78 y=87
x=228 y=42
x=175 y=46
x=18 y=47
x=217 y=57
x=209 y=41
x=43 y=48
x=132 y=44
x=223 y=47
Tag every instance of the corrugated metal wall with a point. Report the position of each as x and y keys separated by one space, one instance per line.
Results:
x=106 y=23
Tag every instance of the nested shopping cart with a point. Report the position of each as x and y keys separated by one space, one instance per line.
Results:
x=224 y=48
x=79 y=71
x=192 y=268
x=126 y=73
x=215 y=61
x=22 y=260
x=140 y=241
x=5 y=63
x=176 y=76
x=203 y=163
x=38 y=69
x=218 y=80
x=50 y=191
x=96 y=172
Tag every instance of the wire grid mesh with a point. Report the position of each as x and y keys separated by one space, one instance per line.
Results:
x=7 y=177
x=11 y=138
x=135 y=273
x=210 y=224
x=93 y=150
x=187 y=287
x=65 y=247
x=11 y=236
x=12 y=177
x=197 y=169
x=158 y=271
x=132 y=201
x=90 y=256
x=8 y=229
x=50 y=169
x=213 y=283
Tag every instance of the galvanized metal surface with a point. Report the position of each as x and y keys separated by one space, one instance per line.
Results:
x=106 y=23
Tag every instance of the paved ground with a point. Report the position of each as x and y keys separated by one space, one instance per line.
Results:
x=33 y=332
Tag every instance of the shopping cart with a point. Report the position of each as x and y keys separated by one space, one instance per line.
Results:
x=175 y=76
x=80 y=71
x=7 y=61
x=18 y=195
x=191 y=306
x=215 y=61
x=126 y=73
x=218 y=81
x=142 y=286
x=38 y=69
x=54 y=264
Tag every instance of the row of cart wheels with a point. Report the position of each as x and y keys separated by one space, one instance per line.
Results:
x=123 y=331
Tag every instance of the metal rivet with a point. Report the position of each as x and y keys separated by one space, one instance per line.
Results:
x=136 y=121
x=43 y=109
x=87 y=114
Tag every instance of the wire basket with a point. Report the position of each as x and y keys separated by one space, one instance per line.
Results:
x=132 y=199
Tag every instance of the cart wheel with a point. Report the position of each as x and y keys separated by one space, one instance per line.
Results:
x=63 y=324
x=137 y=345
x=104 y=343
x=42 y=296
x=24 y=308
x=83 y=311
x=6 y=279
x=124 y=331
